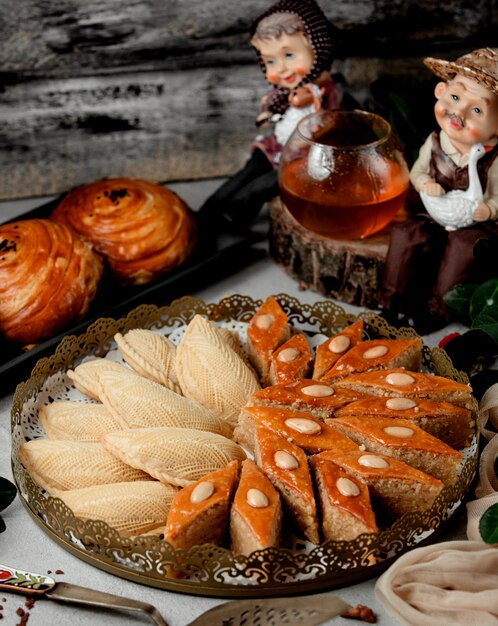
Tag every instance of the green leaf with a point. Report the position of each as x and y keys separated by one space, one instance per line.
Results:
x=487 y=321
x=484 y=297
x=488 y=524
x=458 y=298
x=7 y=493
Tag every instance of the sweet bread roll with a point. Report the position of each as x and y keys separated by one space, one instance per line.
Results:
x=48 y=277
x=141 y=229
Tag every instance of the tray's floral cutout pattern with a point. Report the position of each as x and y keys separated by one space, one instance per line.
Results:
x=208 y=569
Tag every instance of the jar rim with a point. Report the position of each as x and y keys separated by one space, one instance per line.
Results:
x=381 y=125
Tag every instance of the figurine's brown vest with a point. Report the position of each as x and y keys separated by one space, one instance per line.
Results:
x=445 y=171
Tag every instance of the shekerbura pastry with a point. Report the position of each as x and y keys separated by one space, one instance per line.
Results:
x=211 y=372
x=132 y=508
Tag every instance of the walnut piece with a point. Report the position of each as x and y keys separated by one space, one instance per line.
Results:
x=360 y=612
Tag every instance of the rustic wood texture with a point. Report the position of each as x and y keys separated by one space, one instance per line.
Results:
x=169 y=90
x=349 y=271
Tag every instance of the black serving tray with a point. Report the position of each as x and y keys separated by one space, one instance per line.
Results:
x=214 y=258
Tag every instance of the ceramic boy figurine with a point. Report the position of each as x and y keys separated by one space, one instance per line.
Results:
x=426 y=258
x=293 y=40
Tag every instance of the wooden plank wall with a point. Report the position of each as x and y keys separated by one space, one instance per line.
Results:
x=168 y=89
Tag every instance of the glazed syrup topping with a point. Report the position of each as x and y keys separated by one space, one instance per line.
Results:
x=400 y=404
x=257 y=499
x=375 y=352
x=317 y=391
x=202 y=491
x=399 y=379
x=287 y=355
x=372 y=460
x=339 y=344
x=264 y=321
x=303 y=425
x=403 y=432
x=347 y=487
x=285 y=460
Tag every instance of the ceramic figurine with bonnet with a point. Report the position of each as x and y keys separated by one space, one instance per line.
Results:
x=456 y=175
x=294 y=41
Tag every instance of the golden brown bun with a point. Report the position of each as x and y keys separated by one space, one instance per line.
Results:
x=142 y=229
x=48 y=277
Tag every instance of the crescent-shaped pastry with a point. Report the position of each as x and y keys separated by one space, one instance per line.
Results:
x=48 y=277
x=76 y=421
x=138 y=402
x=85 y=376
x=74 y=464
x=211 y=372
x=141 y=229
x=176 y=456
x=131 y=508
x=150 y=354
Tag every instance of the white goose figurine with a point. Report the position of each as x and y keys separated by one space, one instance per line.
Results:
x=455 y=209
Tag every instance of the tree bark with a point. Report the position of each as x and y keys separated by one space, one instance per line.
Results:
x=348 y=271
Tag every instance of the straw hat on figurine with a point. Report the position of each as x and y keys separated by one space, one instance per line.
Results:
x=480 y=65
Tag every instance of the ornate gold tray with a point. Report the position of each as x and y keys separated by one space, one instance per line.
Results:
x=207 y=569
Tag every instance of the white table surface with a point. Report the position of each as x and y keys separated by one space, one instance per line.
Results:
x=26 y=546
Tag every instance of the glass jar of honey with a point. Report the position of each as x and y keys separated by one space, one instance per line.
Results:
x=342 y=174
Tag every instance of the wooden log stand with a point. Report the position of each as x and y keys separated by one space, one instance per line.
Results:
x=349 y=271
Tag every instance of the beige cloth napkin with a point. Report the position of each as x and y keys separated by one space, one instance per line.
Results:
x=448 y=583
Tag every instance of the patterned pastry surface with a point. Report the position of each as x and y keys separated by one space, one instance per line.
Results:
x=178 y=437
